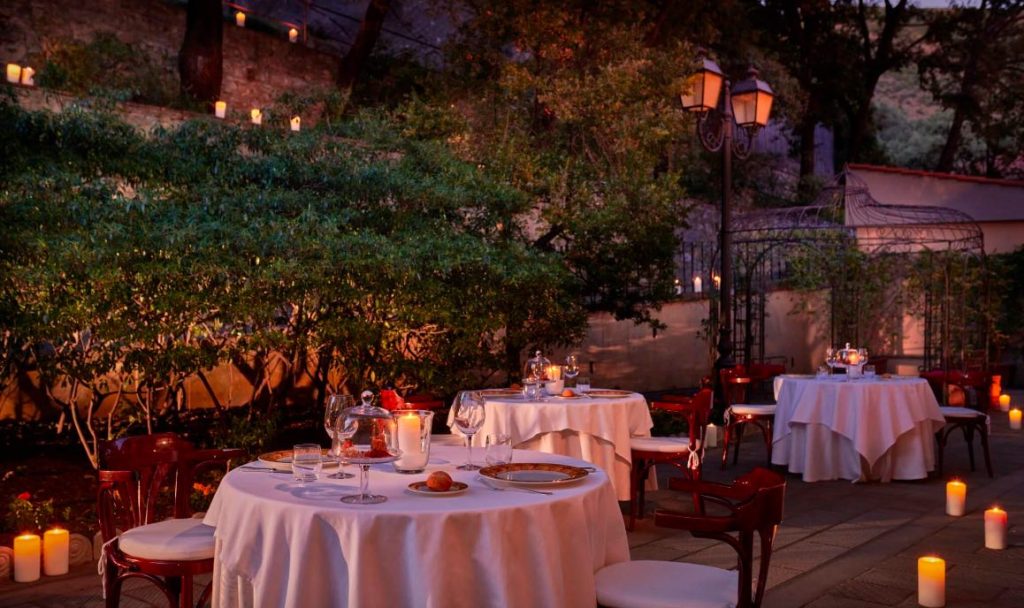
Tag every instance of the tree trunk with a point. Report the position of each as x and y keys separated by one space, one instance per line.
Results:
x=201 y=60
x=369 y=31
x=806 y=133
x=954 y=137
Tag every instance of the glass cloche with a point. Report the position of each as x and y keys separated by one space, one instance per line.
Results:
x=371 y=439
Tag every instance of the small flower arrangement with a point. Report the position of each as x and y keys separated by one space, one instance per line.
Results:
x=26 y=515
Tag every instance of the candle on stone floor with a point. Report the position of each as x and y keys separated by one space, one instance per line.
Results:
x=1004 y=402
x=698 y=285
x=220 y=109
x=956 y=498
x=1015 y=419
x=27 y=552
x=27 y=75
x=257 y=116
x=56 y=548
x=931 y=581
x=717 y=280
x=296 y=123
x=13 y=73
x=240 y=19
x=995 y=528
x=293 y=35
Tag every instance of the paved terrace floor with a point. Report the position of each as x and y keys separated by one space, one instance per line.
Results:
x=841 y=545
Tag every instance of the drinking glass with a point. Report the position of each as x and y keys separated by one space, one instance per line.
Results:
x=572 y=367
x=306 y=462
x=869 y=371
x=469 y=417
x=498 y=449
x=336 y=404
x=583 y=384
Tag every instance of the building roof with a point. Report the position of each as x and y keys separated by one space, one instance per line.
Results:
x=976 y=179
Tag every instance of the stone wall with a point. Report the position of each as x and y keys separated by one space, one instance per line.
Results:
x=258 y=66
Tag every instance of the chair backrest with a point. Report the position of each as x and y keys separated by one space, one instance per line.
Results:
x=755 y=502
x=734 y=385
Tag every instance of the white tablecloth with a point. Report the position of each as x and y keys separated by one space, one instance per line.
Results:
x=855 y=429
x=593 y=429
x=279 y=543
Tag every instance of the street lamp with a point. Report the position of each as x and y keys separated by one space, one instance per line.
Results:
x=747 y=106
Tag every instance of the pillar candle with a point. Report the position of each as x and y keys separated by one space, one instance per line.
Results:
x=956 y=498
x=409 y=439
x=995 y=528
x=931 y=582
x=240 y=19
x=678 y=287
x=56 y=547
x=296 y=123
x=27 y=75
x=220 y=109
x=698 y=285
x=293 y=35
x=257 y=116
x=27 y=550
x=717 y=280
x=1015 y=419
x=1004 y=402
x=13 y=73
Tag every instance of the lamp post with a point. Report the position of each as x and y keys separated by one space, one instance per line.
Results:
x=747 y=106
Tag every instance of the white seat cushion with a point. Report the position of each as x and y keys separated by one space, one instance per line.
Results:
x=959 y=412
x=743 y=409
x=667 y=445
x=172 y=540
x=656 y=584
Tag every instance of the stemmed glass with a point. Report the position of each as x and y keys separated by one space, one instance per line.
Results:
x=830 y=357
x=469 y=417
x=336 y=404
x=572 y=367
x=374 y=441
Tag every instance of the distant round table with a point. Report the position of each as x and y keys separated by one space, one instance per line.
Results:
x=864 y=429
x=281 y=543
x=592 y=428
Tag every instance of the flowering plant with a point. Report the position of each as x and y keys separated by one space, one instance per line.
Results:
x=24 y=514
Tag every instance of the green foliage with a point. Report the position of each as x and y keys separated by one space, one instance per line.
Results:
x=27 y=515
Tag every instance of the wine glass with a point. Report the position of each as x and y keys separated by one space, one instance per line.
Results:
x=830 y=357
x=336 y=404
x=572 y=367
x=469 y=417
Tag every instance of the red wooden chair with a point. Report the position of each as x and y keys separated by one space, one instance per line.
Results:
x=753 y=505
x=685 y=453
x=739 y=414
x=391 y=400
x=138 y=543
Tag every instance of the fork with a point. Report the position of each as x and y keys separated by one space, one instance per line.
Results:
x=501 y=489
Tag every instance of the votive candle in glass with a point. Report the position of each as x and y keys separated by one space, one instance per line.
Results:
x=293 y=35
x=296 y=123
x=240 y=19
x=220 y=109
x=698 y=285
x=1004 y=402
x=257 y=116
x=13 y=73
x=931 y=581
x=27 y=77
x=956 y=498
x=27 y=553
x=1015 y=419
x=56 y=547
x=995 y=528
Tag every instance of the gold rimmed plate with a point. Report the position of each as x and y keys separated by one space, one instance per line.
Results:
x=608 y=393
x=503 y=393
x=421 y=488
x=282 y=460
x=533 y=474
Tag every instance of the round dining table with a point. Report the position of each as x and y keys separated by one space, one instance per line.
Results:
x=283 y=543
x=592 y=428
x=861 y=429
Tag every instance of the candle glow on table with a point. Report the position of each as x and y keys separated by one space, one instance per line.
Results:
x=27 y=551
x=240 y=19
x=220 y=109
x=931 y=581
x=956 y=498
x=293 y=35
x=296 y=123
x=698 y=285
x=1004 y=402
x=1015 y=419
x=995 y=528
x=56 y=551
x=13 y=73
x=27 y=75
x=257 y=116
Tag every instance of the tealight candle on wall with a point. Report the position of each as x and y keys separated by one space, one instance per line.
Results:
x=995 y=528
x=220 y=109
x=296 y=123
x=27 y=551
x=27 y=77
x=293 y=35
x=956 y=498
x=56 y=546
x=13 y=73
x=1015 y=419
x=257 y=116
x=931 y=581
x=1004 y=402
x=240 y=19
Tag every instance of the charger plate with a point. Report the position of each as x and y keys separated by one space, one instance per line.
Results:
x=533 y=474
x=608 y=393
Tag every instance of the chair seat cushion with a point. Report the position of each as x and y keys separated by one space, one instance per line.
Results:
x=656 y=584
x=170 y=540
x=743 y=409
x=959 y=412
x=667 y=445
